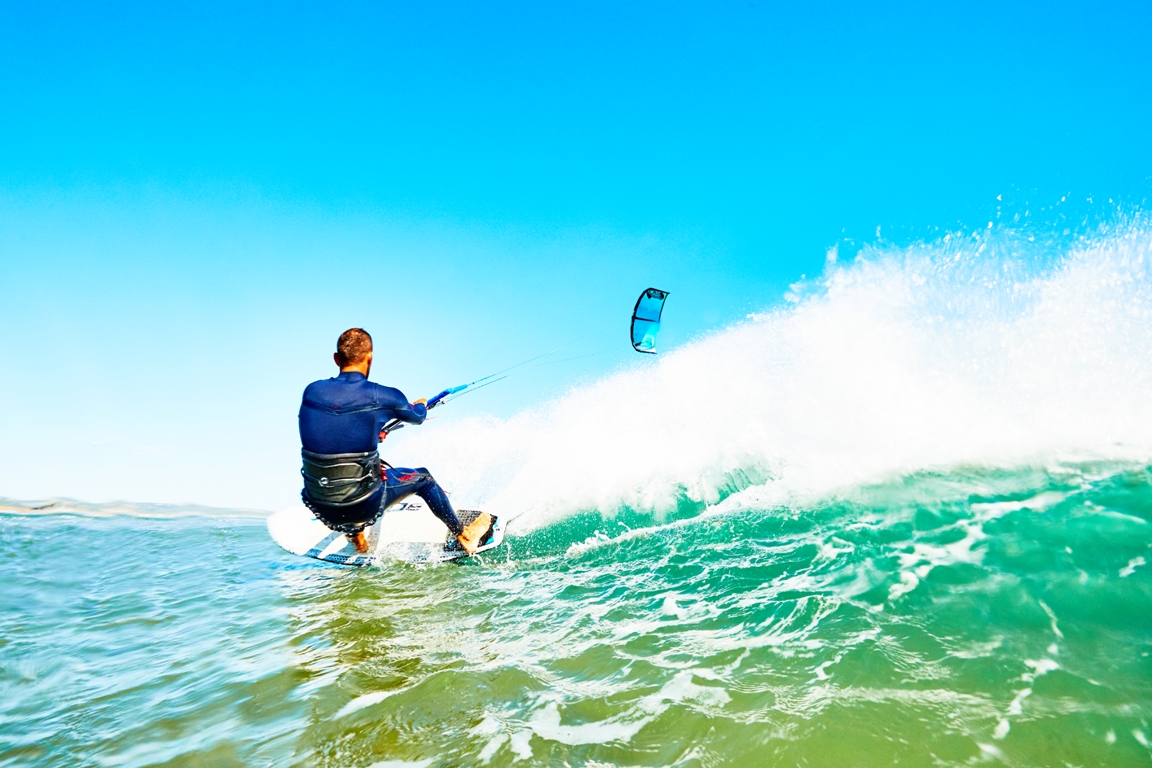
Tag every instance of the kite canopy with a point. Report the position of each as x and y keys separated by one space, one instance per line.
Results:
x=646 y=320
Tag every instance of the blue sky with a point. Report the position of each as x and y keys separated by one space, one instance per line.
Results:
x=195 y=199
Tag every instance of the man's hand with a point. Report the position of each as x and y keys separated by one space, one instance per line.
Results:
x=421 y=401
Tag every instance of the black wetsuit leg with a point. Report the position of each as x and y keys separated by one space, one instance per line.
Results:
x=401 y=482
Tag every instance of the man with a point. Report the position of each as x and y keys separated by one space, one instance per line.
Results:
x=346 y=485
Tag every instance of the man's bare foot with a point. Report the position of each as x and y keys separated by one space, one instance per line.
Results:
x=359 y=540
x=474 y=531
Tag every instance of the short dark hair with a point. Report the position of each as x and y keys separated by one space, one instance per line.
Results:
x=353 y=346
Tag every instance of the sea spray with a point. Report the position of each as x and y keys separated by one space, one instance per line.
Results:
x=977 y=348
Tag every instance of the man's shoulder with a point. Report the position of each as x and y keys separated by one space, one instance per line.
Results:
x=389 y=395
x=359 y=391
x=318 y=384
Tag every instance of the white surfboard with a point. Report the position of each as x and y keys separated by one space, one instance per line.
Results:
x=406 y=531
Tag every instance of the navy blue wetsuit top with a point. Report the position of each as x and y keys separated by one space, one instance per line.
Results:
x=345 y=414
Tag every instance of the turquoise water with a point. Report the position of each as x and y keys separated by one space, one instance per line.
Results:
x=974 y=616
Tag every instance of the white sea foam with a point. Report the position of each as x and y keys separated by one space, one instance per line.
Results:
x=1133 y=564
x=546 y=724
x=360 y=702
x=983 y=349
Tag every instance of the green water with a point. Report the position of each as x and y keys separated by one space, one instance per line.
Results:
x=976 y=617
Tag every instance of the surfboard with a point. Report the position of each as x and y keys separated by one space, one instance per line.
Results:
x=406 y=531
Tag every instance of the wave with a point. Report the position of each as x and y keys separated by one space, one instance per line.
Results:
x=984 y=348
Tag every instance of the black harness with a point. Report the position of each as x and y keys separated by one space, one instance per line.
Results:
x=336 y=482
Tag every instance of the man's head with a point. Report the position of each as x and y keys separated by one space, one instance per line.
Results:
x=354 y=351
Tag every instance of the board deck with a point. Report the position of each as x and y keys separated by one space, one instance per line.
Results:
x=406 y=531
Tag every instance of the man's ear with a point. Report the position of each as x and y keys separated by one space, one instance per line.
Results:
x=336 y=357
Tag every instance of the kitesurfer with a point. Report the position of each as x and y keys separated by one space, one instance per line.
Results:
x=346 y=485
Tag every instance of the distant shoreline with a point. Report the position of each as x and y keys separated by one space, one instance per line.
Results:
x=65 y=506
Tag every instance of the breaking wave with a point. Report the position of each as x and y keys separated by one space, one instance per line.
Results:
x=986 y=348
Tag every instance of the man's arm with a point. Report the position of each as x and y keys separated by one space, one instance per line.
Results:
x=413 y=413
x=396 y=406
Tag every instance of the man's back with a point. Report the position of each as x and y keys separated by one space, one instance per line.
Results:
x=345 y=414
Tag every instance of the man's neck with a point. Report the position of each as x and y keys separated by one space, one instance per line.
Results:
x=361 y=369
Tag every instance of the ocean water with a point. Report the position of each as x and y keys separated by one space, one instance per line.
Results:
x=902 y=520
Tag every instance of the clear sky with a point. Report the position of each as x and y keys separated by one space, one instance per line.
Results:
x=196 y=198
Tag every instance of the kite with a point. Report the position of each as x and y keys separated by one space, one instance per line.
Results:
x=646 y=320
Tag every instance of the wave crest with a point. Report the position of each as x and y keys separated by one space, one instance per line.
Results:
x=987 y=348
